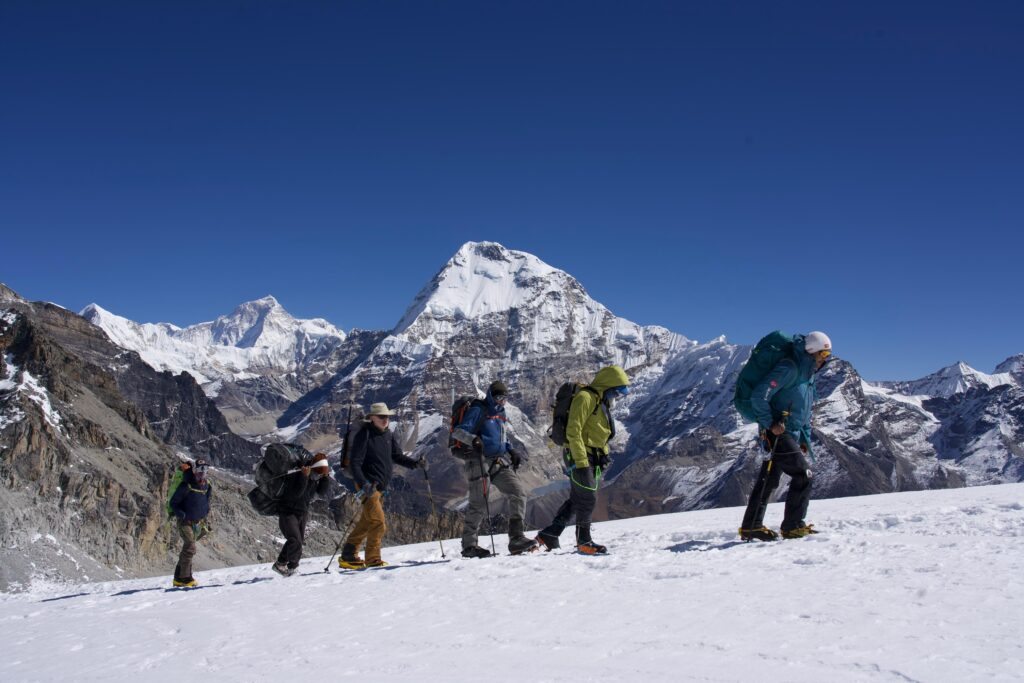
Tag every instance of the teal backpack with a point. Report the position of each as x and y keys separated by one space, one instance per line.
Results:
x=772 y=348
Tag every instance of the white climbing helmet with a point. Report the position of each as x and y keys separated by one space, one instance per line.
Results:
x=817 y=341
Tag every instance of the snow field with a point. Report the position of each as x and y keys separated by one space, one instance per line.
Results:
x=922 y=586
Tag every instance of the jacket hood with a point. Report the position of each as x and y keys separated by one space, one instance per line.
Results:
x=804 y=360
x=492 y=405
x=611 y=376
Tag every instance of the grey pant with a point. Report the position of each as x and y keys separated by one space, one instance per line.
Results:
x=188 y=551
x=505 y=480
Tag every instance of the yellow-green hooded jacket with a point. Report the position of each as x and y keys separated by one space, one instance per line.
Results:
x=590 y=426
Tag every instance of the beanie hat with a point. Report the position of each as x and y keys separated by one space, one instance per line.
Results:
x=497 y=388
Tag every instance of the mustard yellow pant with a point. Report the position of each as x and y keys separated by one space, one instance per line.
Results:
x=371 y=527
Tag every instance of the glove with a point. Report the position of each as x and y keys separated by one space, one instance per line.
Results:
x=367 y=490
x=201 y=530
x=778 y=428
x=803 y=446
x=516 y=457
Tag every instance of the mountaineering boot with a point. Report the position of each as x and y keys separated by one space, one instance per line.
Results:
x=342 y=564
x=586 y=545
x=517 y=541
x=475 y=551
x=518 y=546
x=282 y=569
x=548 y=541
x=187 y=582
x=799 y=532
x=350 y=558
x=375 y=563
x=759 y=534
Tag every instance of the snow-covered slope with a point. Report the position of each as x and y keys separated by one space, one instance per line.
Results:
x=922 y=586
x=256 y=337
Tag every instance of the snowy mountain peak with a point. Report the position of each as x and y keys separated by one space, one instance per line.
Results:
x=254 y=323
x=8 y=294
x=483 y=278
x=257 y=335
x=492 y=302
x=1013 y=365
x=953 y=379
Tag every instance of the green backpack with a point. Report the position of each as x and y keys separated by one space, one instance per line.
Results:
x=772 y=348
x=176 y=479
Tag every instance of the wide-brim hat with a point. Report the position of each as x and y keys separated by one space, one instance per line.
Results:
x=379 y=409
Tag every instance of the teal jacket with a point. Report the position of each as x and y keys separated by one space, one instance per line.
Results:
x=789 y=387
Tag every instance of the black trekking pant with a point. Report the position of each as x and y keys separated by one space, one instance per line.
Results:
x=786 y=458
x=293 y=526
x=582 y=500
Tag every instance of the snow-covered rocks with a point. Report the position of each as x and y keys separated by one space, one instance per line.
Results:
x=258 y=336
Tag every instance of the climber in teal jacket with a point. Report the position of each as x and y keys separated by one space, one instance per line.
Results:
x=786 y=394
x=782 y=403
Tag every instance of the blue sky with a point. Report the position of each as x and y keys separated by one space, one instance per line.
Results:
x=716 y=168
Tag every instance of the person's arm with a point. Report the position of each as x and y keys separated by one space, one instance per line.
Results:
x=583 y=404
x=465 y=431
x=399 y=457
x=760 y=398
x=323 y=486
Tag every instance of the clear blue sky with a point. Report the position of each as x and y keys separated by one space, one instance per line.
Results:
x=714 y=167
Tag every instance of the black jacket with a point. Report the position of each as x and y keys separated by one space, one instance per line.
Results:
x=299 y=490
x=373 y=451
x=191 y=500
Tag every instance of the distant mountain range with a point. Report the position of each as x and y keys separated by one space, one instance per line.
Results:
x=491 y=312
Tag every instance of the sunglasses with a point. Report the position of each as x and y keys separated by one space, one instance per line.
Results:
x=500 y=397
x=382 y=417
x=200 y=469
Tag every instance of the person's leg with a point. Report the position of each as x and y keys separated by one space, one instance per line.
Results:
x=377 y=527
x=292 y=532
x=508 y=482
x=792 y=462
x=183 y=572
x=766 y=482
x=477 y=484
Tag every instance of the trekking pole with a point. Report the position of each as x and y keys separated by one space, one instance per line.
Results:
x=344 y=537
x=433 y=510
x=485 y=478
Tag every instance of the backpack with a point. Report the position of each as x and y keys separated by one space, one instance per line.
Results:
x=345 y=464
x=462 y=404
x=176 y=480
x=279 y=460
x=772 y=348
x=560 y=409
x=345 y=461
